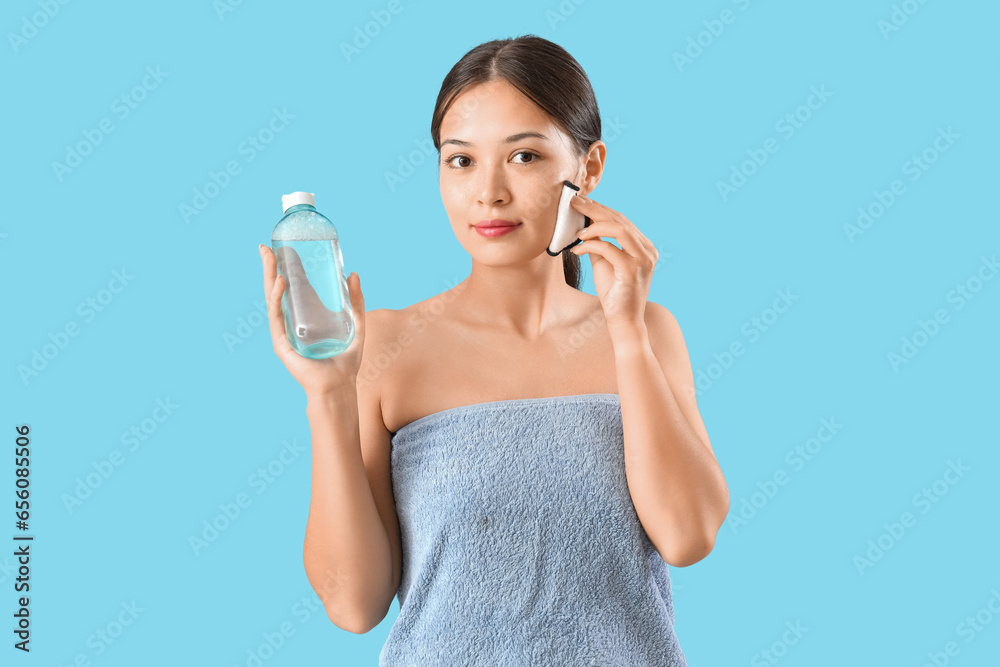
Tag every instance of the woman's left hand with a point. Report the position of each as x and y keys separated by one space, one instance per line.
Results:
x=621 y=275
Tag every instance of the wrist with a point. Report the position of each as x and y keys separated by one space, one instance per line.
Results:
x=331 y=398
x=628 y=337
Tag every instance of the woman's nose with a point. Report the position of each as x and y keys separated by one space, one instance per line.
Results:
x=492 y=189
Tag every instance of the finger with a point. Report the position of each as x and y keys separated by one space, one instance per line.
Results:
x=605 y=250
x=596 y=211
x=627 y=238
x=593 y=209
x=294 y=272
x=275 y=317
x=295 y=276
x=357 y=306
x=269 y=264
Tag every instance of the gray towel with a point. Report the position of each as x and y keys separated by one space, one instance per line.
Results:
x=521 y=545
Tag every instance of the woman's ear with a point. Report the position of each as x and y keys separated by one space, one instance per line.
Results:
x=592 y=167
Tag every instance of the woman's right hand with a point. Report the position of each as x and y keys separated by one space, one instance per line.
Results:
x=317 y=376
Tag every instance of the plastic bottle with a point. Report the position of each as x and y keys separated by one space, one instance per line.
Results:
x=316 y=304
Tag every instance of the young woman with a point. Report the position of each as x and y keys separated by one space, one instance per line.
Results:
x=514 y=458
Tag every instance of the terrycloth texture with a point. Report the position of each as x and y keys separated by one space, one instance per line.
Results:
x=521 y=545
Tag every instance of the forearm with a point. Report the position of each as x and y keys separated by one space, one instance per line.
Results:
x=677 y=486
x=346 y=552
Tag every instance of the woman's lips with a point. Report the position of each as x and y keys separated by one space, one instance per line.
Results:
x=496 y=231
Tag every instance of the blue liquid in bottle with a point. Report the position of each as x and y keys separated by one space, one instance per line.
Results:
x=316 y=304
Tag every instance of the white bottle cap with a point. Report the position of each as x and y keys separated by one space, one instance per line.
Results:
x=288 y=201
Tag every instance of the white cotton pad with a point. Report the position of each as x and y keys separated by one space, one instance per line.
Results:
x=569 y=221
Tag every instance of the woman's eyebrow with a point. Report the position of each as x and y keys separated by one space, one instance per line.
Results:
x=509 y=140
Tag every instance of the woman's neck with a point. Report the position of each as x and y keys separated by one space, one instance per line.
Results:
x=526 y=300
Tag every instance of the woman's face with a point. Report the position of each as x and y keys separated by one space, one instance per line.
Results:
x=504 y=158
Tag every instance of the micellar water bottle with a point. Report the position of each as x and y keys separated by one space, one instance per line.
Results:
x=316 y=304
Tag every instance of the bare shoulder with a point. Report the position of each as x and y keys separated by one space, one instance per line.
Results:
x=667 y=341
x=375 y=323
x=403 y=327
x=383 y=325
x=379 y=324
x=663 y=328
x=394 y=340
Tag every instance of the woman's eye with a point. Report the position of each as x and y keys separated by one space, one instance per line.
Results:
x=450 y=161
x=461 y=165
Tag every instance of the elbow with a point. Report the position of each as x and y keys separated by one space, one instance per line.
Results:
x=356 y=625
x=349 y=621
x=690 y=553
x=698 y=543
x=353 y=618
x=344 y=611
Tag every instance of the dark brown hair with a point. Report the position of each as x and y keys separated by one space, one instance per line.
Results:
x=547 y=75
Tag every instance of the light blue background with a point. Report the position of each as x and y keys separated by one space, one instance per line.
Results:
x=672 y=134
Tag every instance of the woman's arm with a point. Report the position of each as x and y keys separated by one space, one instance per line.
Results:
x=677 y=487
x=346 y=554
